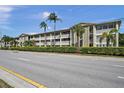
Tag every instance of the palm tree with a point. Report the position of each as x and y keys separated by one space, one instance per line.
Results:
x=53 y=17
x=14 y=43
x=106 y=35
x=101 y=39
x=6 y=40
x=79 y=32
x=110 y=36
x=44 y=26
x=29 y=43
x=114 y=32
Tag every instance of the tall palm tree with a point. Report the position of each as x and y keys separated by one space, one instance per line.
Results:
x=79 y=32
x=44 y=26
x=53 y=17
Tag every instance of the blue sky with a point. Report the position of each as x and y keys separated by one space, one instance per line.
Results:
x=15 y=20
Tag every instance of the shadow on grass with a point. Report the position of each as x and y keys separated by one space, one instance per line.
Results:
x=4 y=84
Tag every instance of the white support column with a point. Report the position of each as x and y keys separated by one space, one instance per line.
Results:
x=117 y=35
x=88 y=36
x=83 y=39
x=94 y=36
x=60 y=39
x=45 y=42
x=75 y=38
x=70 y=37
x=50 y=39
x=40 y=40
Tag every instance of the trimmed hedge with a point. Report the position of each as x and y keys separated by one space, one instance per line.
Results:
x=117 y=51
x=47 y=49
x=4 y=48
x=103 y=51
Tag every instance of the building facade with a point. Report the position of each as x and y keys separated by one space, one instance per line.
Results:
x=66 y=37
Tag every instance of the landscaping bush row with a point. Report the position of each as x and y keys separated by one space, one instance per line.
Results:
x=85 y=50
x=47 y=49
x=4 y=48
x=103 y=51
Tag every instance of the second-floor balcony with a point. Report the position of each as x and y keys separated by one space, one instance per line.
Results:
x=65 y=36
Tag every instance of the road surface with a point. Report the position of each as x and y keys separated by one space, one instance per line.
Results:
x=66 y=71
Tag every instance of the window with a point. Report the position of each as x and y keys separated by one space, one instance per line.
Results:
x=67 y=32
x=48 y=35
x=65 y=39
x=37 y=41
x=42 y=40
x=31 y=36
x=42 y=35
x=99 y=27
x=47 y=40
x=57 y=40
x=36 y=36
x=57 y=33
x=105 y=26
x=113 y=25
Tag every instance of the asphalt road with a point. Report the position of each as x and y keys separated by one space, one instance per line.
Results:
x=64 y=70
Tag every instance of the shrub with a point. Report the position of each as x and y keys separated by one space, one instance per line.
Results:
x=103 y=51
x=4 y=48
x=47 y=49
x=117 y=51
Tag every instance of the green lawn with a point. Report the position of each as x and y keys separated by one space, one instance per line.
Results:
x=4 y=84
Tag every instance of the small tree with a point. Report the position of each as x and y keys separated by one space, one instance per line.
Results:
x=14 y=43
x=110 y=36
x=100 y=40
x=6 y=40
x=113 y=36
x=121 y=39
x=29 y=43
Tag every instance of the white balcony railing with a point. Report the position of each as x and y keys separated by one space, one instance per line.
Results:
x=65 y=42
x=65 y=36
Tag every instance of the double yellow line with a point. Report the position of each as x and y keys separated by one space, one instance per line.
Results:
x=23 y=78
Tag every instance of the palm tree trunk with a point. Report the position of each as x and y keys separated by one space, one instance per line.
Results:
x=108 y=41
x=5 y=44
x=45 y=36
x=54 y=32
x=78 y=41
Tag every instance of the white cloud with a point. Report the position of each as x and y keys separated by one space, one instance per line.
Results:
x=6 y=8
x=5 y=15
x=49 y=28
x=31 y=33
x=42 y=15
x=45 y=15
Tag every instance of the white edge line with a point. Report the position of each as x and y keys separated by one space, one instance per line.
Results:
x=117 y=66
x=120 y=77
